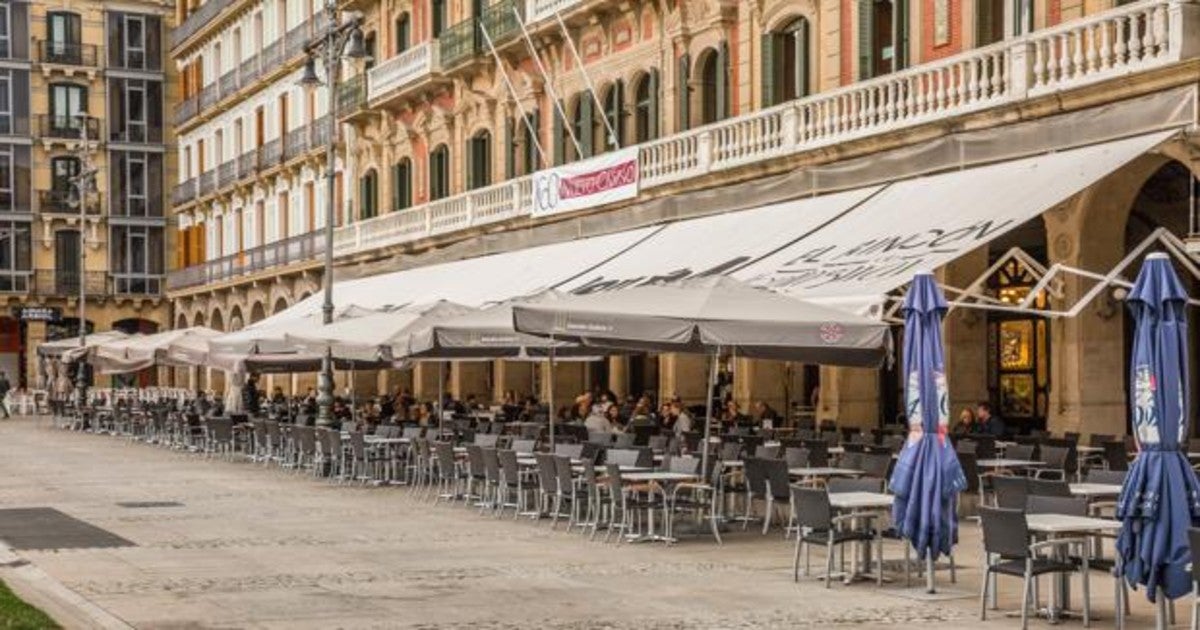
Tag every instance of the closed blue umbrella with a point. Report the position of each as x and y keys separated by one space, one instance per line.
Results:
x=1161 y=497
x=927 y=476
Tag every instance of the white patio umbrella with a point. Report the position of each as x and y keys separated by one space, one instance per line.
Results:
x=69 y=350
x=707 y=316
x=138 y=352
x=268 y=337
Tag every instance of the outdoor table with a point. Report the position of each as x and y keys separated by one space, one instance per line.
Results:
x=836 y=450
x=1089 y=450
x=1054 y=526
x=824 y=471
x=870 y=505
x=662 y=480
x=1095 y=490
x=1004 y=463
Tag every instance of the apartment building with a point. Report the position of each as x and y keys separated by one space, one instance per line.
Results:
x=717 y=101
x=82 y=82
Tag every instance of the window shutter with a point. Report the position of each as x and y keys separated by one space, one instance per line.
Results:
x=866 y=37
x=802 y=59
x=362 y=195
x=900 y=35
x=533 y=151
x=652 y=132
x=587 y=118
x=682 y=95
x=723 y=81
x=510 y=152
x=768 y=69
x=559 y=141
x=619 y=124
x=396 y=192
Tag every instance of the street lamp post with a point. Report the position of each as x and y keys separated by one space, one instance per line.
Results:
x=83 y=184
x=342 y=39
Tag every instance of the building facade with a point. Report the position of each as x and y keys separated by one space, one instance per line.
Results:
x=464 y=99
x=82 y=83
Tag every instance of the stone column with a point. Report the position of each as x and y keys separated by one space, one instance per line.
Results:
x=618 y=375
x=470 y=378
x=683 y=375
x=768 y=381
x=425 y=380
x=514 y=375
x=849 y=396
x=569 y=381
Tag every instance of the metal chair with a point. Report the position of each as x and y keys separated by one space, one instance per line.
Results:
x=817 y=525
x=1010 y=492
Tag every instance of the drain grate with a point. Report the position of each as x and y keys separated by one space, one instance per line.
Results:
x=138 y=505
x=47 y=528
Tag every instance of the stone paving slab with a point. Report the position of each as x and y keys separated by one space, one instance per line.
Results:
x=255 y=547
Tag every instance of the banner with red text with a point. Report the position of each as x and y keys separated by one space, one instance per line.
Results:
x=588 y=184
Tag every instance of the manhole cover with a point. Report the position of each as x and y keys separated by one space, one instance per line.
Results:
x=137 y=505
x=47 y=528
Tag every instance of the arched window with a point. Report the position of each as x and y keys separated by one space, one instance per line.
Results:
x=645 y=107
x=403 y=33
x=369 y=195
x=402 y=184
x=439 y=172
x=479 y=155
x=613 y=118
x=714 y=85
x=786 y=63
x=883 y=37
x=581 y=125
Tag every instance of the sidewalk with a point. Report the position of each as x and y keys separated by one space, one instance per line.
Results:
x=259 y=548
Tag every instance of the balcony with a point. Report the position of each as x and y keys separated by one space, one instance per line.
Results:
x=538 y=10
x=272 y=55
x=410 y=66
x=297 y=38
x=1113 y=45
x=67 y=54
x=58 y=201
x=16 y=281
x=207 y=183
x=296 y=143
x=137 y=134
x=209 y=95
x=352 y=95
x=68 y=127
x=462 y=42
x=229 y=83
x=321 y=132
x=247 y=164
x=297 y=249
x=183 y=192
x=502 y=21
x=59 y=283
x=249 y=71
x=270 y=154
x=186 y=110
x=227 y=173
x=458 y=44
x=194 y=22
x=137 y=284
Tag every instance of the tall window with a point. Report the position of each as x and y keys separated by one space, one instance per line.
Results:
x=530 y=159
x=67 y=100
x=882 y=37
x=403 y=33
x=6 y=48
x=786 y=63
x=138 y=250
x=1022 y=16
x=439 y=173
x=136 y=184
x=402 y=184
x=136 y=108
x=582 y=126
x=62 y=171
x=438 y=22
x=989 y=22
x=369 y=195
x=479 y=173
x=63 y=38
x=714 y=85
x=15 y=254
x=7 y=125
x=645 y=107
x=8 y=180
x=614 y=118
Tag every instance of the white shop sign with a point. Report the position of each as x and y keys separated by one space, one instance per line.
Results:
x=588 y=184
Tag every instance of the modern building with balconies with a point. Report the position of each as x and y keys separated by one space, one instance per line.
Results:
x=727 y=106
x=81 y=81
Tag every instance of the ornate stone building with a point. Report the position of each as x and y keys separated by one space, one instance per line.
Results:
x=464 y=99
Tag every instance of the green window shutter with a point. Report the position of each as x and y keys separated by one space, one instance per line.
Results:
x=900 y=35
x=560 y=153
x=533 y=157
x=682 y=93
x=768 y=69
x=723 y=81
x=866 y=36
x=803 y=61
x=406 y=185
x=587 y=118
x=620 y=117
x=510 y=152
x=653 y=126
x=396 y=192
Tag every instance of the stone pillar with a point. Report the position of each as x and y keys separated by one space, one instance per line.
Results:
x=618 y=375
x=569 y=381
x=514 y=375
x=470 y=378
x=769 y=381
x=850 y=396
x=965 y=336
x=683 y=375
x=425 y=380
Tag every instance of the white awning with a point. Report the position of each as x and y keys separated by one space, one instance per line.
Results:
x=926 y=222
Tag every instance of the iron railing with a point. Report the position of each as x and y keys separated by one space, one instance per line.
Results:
x=352 y=94
x=184 y=192
x=270 y=153
x=68 y=127
x=60 y=283
x=247 y=164
x=296 y=143
x=67 y=53
x=208 y=182
x=302 y=248
x=187 y=109
x=59 y=201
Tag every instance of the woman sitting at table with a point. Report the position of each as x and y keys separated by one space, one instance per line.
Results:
x=966 y=422
x=613 y=414
x=733 y=416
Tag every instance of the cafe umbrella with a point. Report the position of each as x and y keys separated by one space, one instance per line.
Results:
x=710 y=316
x=1161 y=496
x=927 y=476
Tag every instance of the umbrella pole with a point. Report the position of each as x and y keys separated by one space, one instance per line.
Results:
x=550 y=395
x=1160 y=621
x=929 y=564
x=441 y=417
x=708 y=396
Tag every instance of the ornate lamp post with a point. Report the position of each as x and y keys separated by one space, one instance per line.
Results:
x=341 y=40
x=83 y=186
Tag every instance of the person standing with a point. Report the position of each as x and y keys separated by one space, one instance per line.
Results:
x=4 y=387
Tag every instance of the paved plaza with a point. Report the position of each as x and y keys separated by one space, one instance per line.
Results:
x=219 y=544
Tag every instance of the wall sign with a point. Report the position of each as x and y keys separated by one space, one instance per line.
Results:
x=37 y=313
x=587 y=184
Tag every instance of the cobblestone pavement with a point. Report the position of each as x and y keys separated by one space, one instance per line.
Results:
x=261 y=548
